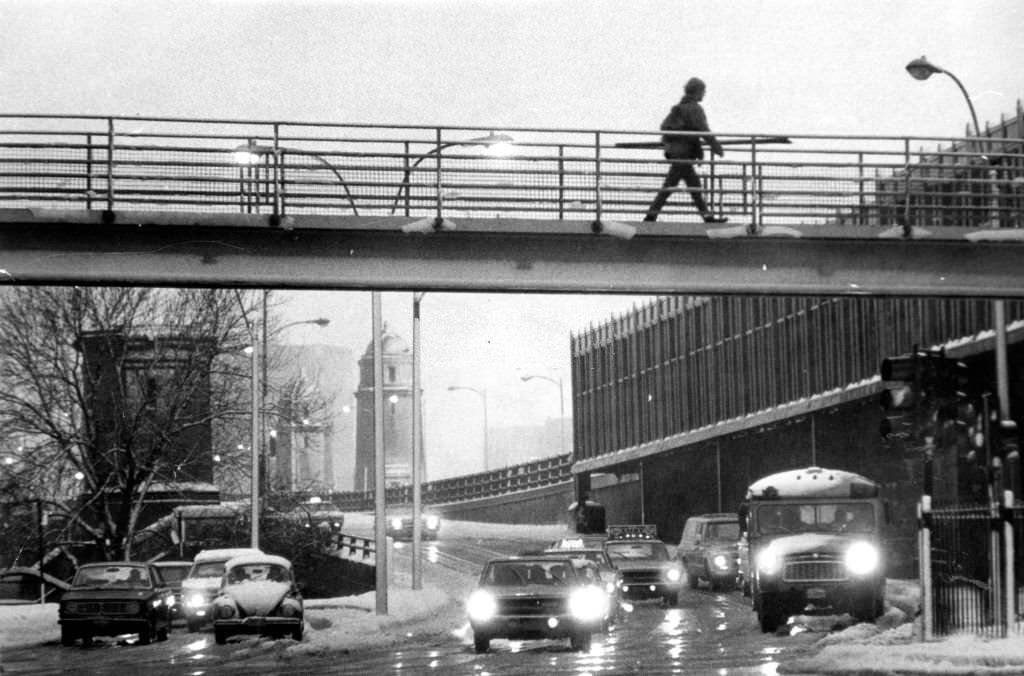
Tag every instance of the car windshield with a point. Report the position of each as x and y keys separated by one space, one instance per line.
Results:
x=258 y=572
x=207 y=569
x=171 y=574
x=529 y=572
x=637 y=550
x=842 y=517
x=724 y=530
x=113 y=576
x=592 y=555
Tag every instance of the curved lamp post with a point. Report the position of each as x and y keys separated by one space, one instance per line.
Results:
x=251 y=153
x=483 y=397
x=496 y=142
x=561 y=407
x=922 y=69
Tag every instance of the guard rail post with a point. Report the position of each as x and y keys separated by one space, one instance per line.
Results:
x=924 y=519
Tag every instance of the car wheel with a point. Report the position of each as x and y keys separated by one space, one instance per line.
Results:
x=146 y=634
x=67 y=637
x=867 y=609
x=692 y=580
x=163 y=632
x=481 y=643
x=297 y=633
x=671 y=600
x=87 y=640
x=220 y=636
x=580 y=642
x=193 y=625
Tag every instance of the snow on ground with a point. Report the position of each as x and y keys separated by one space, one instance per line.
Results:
x=890 y=646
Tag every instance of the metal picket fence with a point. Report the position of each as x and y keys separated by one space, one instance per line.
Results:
x=971 y=569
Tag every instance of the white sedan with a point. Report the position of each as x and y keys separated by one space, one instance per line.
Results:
x=258 y=595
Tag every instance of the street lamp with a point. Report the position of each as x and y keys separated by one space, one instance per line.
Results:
x=561 y=407
x=252 y=153
x=417 y=446
x=497 y=144
x=483 y=397
x=922 y=69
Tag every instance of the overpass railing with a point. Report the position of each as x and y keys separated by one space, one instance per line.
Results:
x=535 y=474
x=279 y=169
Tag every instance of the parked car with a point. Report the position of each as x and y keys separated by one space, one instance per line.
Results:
x=535 y=597
x=173 y=573
x=203 y=582
x=400 y=525
x=108 y=599
x=708 y=550
x=258 y=595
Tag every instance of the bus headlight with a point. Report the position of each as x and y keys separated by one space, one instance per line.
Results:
x=862 y=558
x=481 y=605
x=769 y=561
x=588 y=604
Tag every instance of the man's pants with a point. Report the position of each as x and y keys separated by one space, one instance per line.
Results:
x=681 y=169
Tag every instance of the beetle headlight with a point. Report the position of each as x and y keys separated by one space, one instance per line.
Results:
x=396 y=523
x=769 y=561
x=673 y=574
x=195 y=600
x=588 y=604
x=862 y=558
x=481 y=605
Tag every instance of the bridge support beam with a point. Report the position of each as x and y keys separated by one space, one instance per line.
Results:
x=172 y=249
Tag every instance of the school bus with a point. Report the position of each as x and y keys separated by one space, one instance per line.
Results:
x=813 y=545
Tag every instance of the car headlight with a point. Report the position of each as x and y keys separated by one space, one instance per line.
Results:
x=157 y=603
x=481 y=605
x=396 y=523
x=720 y=561
x=291 y=608
x=609 y=587
x=433 y=522
x=769 y=561
x=673 y=574
x=588 y=604
x=862 y=558
x=195 y=600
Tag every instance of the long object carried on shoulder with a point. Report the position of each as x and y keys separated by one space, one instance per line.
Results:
x=731 y=142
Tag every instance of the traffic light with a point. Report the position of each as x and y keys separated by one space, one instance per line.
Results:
x=923 y=397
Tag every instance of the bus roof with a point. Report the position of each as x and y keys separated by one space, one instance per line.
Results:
x=812 y=482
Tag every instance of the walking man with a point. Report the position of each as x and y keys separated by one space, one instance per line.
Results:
x=685 y=151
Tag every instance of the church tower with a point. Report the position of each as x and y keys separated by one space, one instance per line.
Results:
x=397 y=368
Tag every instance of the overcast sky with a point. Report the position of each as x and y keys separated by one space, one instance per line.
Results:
x=772 y=66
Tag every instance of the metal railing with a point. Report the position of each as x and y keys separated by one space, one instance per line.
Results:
x=286 y=168
x=526 y=476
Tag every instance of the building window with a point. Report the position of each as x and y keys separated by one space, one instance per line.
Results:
x=392 y=374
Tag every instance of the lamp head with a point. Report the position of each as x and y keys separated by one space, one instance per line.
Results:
x=321 y=321
x=251 y=153
x=922 y=69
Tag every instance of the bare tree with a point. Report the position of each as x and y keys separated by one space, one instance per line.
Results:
x=122 y=388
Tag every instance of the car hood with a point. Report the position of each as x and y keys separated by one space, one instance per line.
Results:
x=257 y=597
x=100 y=594
x=200 y=584
x=643 y=564
x=810 y=542
x=531 y=590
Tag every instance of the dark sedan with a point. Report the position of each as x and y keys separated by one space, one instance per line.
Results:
x=535 y=598
x=109 y=599
x=400 y=526
x=172 y=573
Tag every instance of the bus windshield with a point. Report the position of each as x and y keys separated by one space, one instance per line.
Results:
x=839 y=517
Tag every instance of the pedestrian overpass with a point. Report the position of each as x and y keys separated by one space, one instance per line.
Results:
x=162 y=201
